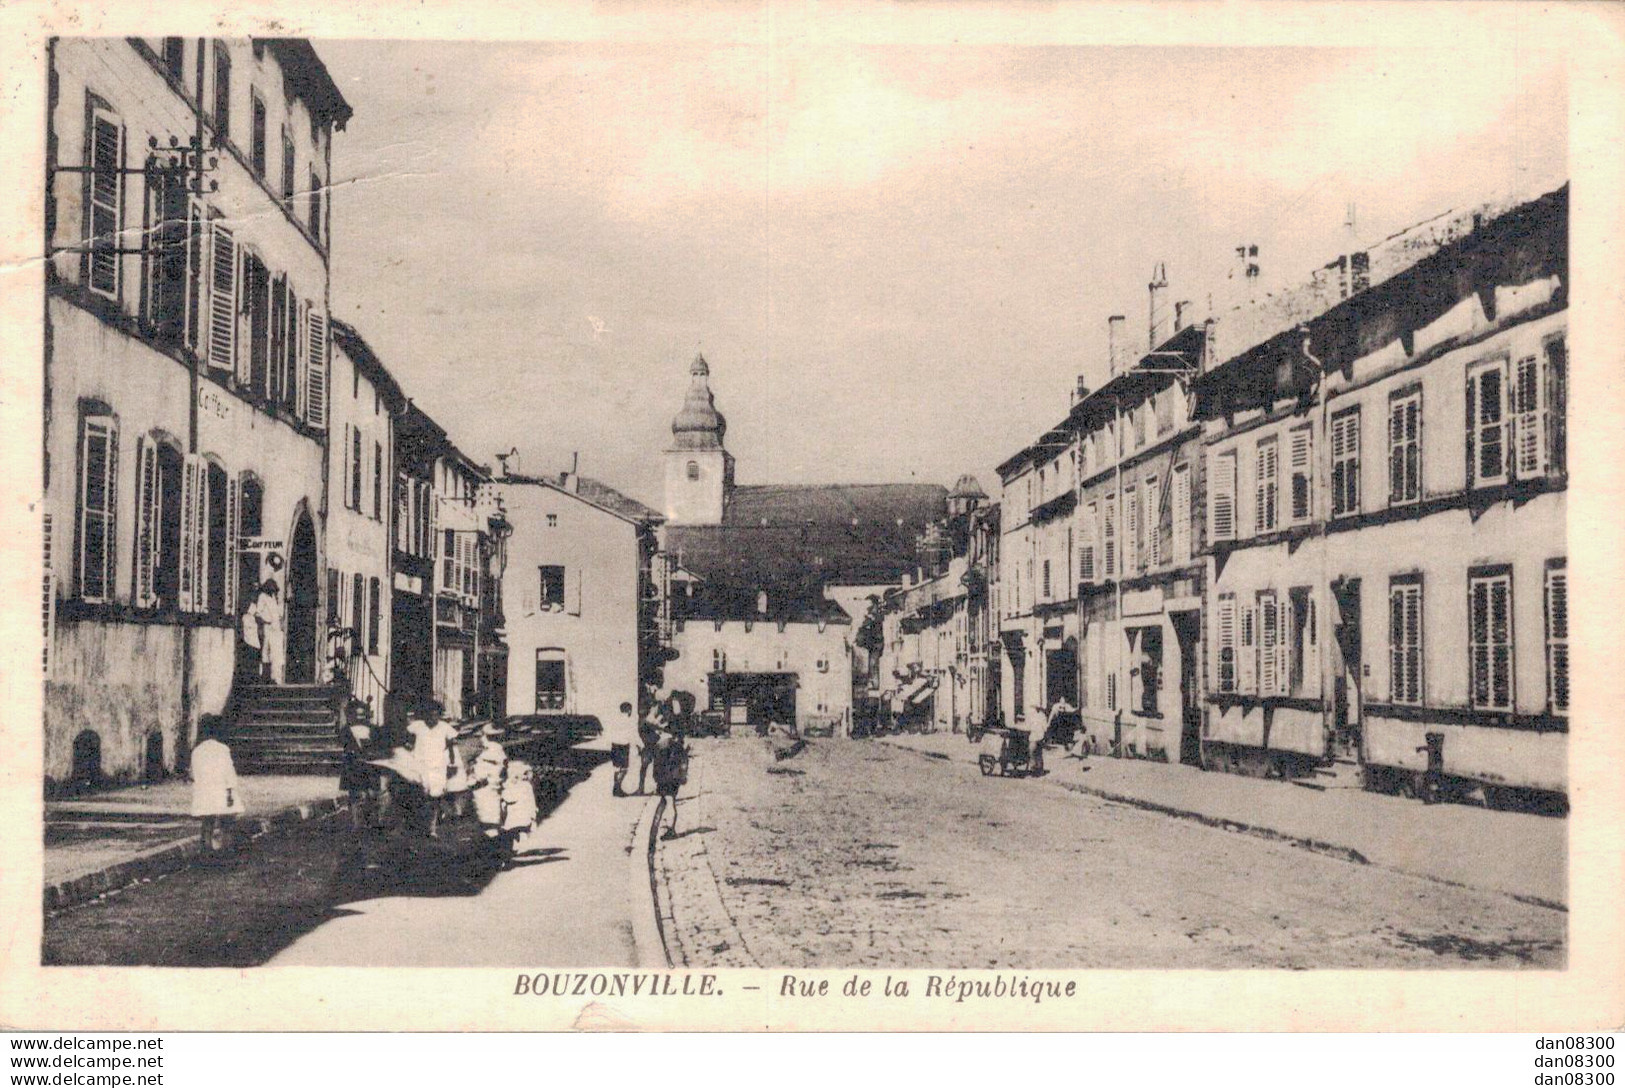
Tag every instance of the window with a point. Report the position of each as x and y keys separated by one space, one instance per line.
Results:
x=288 y=164
x=1300 y=459
x=223 y=279
x=354 y=502
x=1227 y=641
x=450 y=577
x=374 y=593
x=1267 y=489
x=175 y=58
x=98 y=507
x=221 y=549
x=719 y=661
x=550 y=680
x=1181 y=514
x=1150 y=659
x=1346 y=462
x=1018 y=686
x=550 y=593
x=552 y=521
x=693 y=470
x=1139 y=414
x=257 y=294
x=316 y=206
x=1486 y=424
x=1489 y=635
x=1133 y=535
x=104 y=221
x=1165 y=411
x=334 y=581
x=1224 y=496
x=1557 y=637
x=1528 y=419
x=1086 y=556
x=1405 y=640
x=1303 y=652
x=174 y=259
x=358 y=609
x=1247 y=660
x=257 y=133
x=1047 y=594
x=378 y=481
x=222 y=91
x=1405 y=446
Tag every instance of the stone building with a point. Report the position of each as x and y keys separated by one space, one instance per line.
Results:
x=186 y=367
x=769 y=582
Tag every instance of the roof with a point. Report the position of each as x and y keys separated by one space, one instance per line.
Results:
x=967 y=487
x=795 y=540
x=351 y=343
x=309 y=79
x=593 y=493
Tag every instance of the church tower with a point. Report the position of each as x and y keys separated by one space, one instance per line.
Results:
x=699 y=472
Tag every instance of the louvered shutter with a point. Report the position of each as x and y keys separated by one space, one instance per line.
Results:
x=1557 y=640
x=1226 y=638
x=292 y=356
x=1153 y=521
x=1181 y=514
x=1248 y=657
x=1299 y=461
x=573 y=605
x=1109 y=536
x=234 y=528
x=98 y=505
x=1346 y=463
x=48 y=594
x=106 y=202
x=223 y=264
x=1405 y=643
x=1266 y=490
x=301 y=362
x=149 y=510
x=1224 y=496
x=197 y=255
x=1284 y=641
x=1529 y=419
x=1486 y=426
x=276 y=371
x=1086 y=560
x=316 y=378
x=1269 y=633
x=192 y=481
x=1131 y=532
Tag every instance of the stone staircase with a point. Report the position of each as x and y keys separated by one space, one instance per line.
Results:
x=287 y=729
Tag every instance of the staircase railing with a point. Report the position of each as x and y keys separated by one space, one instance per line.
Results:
x=353 y=668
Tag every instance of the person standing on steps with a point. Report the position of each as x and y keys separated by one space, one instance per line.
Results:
x=254 y=659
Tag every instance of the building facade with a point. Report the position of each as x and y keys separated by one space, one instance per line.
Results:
x=1388 y=520
x=364 y=402
x=582 y=600
x=186 y=411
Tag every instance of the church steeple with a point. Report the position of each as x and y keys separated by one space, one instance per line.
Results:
x=699 y=471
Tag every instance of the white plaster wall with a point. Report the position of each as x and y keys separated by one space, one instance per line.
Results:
x=764 y=648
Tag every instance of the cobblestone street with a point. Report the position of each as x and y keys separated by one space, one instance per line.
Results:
x=859 y=854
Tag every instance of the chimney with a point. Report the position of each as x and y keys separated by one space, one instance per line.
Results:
x=1115 y=325
x=1081 y=391
x=1181 y=308
x=1158 y=288
x=1246 y=273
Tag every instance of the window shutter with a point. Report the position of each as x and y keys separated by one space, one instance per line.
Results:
x=222 y=298
x=1557 y=640
x=1153 y=521
x=1265 y=498
x=1346 y=463
x=98 y=508
x=1227 y=643
x=1284 y=636
x=1249 y=649
x=106 y=202
x=574 y=601
x=292 y=355
x=1529 y=419
x=149 y=508
x=47 y=594
x=276 y=379
x=1086 y=560
x=234 y=527
x=316 y=377
x=1108 y=538
x=1269 y=634
x=1299 y=460
x=194 y=534
x=1557 y=404
x=1224 y=496
x=1473 y=383
x=1131 y=532
x=1486 y=426
x=196 y=263
x=1180 y=516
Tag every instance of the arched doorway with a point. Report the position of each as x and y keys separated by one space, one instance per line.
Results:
x=302 y=594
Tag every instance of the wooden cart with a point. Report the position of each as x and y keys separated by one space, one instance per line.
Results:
x=1009 y=751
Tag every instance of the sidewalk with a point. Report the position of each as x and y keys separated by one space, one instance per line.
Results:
x=103 y=841
x=578 y=895
x=1516 y=854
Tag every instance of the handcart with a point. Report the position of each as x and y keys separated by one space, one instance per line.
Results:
x=1009 y=751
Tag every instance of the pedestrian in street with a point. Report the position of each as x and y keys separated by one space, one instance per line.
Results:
x=357 y=777
x=216 y=798
x=519 y=810
x=649 y=740
x=620 y=755
x=671 y=773
x=432 y=739
x=490 y=764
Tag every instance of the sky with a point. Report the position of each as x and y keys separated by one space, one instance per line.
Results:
x=898 y=260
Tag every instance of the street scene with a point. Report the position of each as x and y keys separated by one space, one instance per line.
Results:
x=554 y=504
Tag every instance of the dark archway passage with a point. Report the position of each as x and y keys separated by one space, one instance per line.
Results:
x=302 y=598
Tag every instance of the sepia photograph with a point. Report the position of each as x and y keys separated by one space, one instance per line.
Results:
x=624 y=508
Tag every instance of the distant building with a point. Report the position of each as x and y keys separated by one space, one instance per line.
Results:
x=582 y=599
x=186 y=369
x=769 y=582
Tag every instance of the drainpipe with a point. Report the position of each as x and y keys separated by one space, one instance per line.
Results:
x=1321 y=502
x=183 y=747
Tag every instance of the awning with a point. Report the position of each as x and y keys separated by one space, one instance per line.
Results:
x=917 y=691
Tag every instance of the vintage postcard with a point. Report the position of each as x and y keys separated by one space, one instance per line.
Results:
x=769 y=517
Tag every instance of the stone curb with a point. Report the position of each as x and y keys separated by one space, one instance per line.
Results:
x=175 y=856
x=643 y=891
x=1222 y=823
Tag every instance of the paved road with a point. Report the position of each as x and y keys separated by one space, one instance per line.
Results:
x=328 y=895
x=860 y=854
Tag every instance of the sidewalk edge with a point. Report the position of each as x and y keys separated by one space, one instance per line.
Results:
x=643 y=892
x=175 y=856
